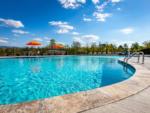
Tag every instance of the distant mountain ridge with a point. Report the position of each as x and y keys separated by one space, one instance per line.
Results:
x=8 y=47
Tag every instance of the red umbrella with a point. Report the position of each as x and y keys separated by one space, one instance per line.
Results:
x=34 y=43
x=58 y=46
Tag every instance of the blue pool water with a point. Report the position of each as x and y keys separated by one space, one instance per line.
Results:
x=27 y=79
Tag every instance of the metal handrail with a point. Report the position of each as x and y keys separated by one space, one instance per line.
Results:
x=129 y=56
x=133 y=54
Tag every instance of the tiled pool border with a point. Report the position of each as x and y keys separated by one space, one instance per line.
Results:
x=77 y=102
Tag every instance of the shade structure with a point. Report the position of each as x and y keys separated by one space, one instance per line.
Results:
x=57 y=46
x=34 y=43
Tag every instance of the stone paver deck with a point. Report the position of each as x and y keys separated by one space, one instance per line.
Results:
x=138 y=103
x=129 y=96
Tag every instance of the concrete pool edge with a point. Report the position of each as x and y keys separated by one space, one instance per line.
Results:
x=82 y=101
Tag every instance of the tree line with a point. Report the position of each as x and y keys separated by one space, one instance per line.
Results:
x=77 y=49
x=107 y=48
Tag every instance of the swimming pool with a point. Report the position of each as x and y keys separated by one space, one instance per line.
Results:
x=28 y=79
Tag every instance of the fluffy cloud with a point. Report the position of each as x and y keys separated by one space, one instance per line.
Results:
x=4 y=38
x=127 y=31
x=115 y=1
x=3 y=41
x=101 y=16
x=98 y=14
x=95 y=1
x=119 y=9
x=63 y=27
x=38 y=39
x=86 y=39
x=102 y=6
x=75 y=33
x=119 y=42
x=11 y=23
x=61 y=24
x=72 y=4
x=87 y=19
x=62 y=31
x=19 y=31
x=78 y=39
x=90 y=38
x=46 y=38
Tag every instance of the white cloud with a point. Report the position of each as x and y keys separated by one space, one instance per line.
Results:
x=90 y=38
x=42 y=39
x=87 y=19
x=95 y=1
x=46 y=38
x=61 y=24
x=4 y=38
x=38 y=39
x=63 y=27
x=119 y=42
x=86 y=39
x=78 y=39
x=11 y=23
x=101 y=16
x=47 y=41
x=16 y=35
x=19 y=31
x=62 y=31
x=75 y=33
x=119 y=9
x=127 y=31
x=102 y=6
x=3 y=41
x=115 y=1
x=72 y=4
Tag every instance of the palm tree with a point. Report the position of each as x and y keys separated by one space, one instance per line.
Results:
x=75 y=47
x=120 y=48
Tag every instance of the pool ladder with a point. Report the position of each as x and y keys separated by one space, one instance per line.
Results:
x=138 y=56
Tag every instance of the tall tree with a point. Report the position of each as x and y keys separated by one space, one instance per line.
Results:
x=135 y=47
x=75 y=47
x=147 y=44
x=76 y=44
x=120 y=48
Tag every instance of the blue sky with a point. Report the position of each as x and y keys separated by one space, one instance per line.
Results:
x=86 y=21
